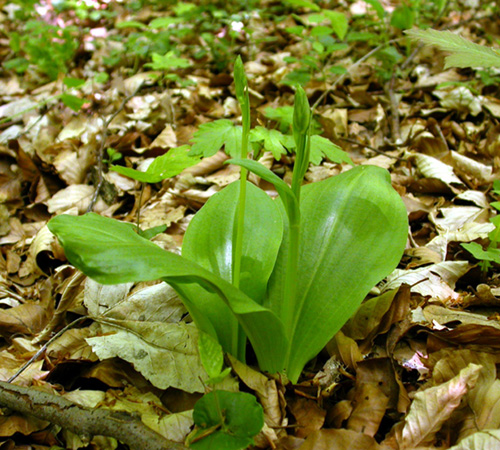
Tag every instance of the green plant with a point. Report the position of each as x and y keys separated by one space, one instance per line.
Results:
x=224 y=420
x=212 y=136
x=492 y=252
x=285 y=274
x=323 y=31
x=46 y=47
x=165 y=166
x=180 y=34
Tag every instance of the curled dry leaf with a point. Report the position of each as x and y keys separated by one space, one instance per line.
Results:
x=271 y=399
x=370 y=405
x=432 y=407
x=482 y=440
x=431 y=167
x=308 y=415
x=436 y=281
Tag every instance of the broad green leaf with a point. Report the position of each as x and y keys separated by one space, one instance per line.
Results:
x=286 y=194
x=282 y=114
x=211 y=136
x=322 y=147
x=163 y=22
x=338 y=21
x=130 y=24
x=354 y=229
x=494 y=235
x=403 y=17
x=315 y=18
x=72 y=101
x=167 y=62
x=111 y=252
x=297 y=30
x=152 y=232
x=496 y=187
x=226 y=421
x=304 y=4
x=476 y=250
x=320 y=31
x=73 y=82
x=184 y=8
x=208 y=241
x=273 y=140
x=464 y=53
x=377 y=6
x=165 y=166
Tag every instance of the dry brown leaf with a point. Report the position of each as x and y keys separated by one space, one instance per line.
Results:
x=308 y=415
x=483 y=399
x=369 y=315
x=432 y=407
x=266 y=389
x=370 y=404
x=339 y=440
x=11 y=424
x=76 y=195
x=345 y=349
x=27 y=319
x=166 y=139
x=483 y=440
x=380 y=371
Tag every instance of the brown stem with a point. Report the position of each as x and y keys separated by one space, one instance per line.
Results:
x=84 y=422
x=100 y=153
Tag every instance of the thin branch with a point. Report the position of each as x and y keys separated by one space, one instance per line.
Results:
x=389 y=87
x=373 y=149
x=345 y=74
x=100 y=154
x=44 y=347
x=85 y=422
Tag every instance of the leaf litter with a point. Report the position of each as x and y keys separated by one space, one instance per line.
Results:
x=414 y=368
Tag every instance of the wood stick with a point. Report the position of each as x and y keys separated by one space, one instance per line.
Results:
x=85 y=422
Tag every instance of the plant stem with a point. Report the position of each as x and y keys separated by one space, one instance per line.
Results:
x=292 y=264
x=237 y=254
x=244 y=100
x=240 y=222
x=301 y=132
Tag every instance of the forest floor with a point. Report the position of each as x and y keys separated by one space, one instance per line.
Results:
x=87 y=84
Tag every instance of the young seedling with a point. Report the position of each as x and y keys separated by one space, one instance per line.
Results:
x=286 y=277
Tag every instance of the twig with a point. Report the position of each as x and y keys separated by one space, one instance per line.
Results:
x=369 y=147
x=356 y=64
x=100 y=154
x=85 y=422
x=389 y=87
x=44 y=347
